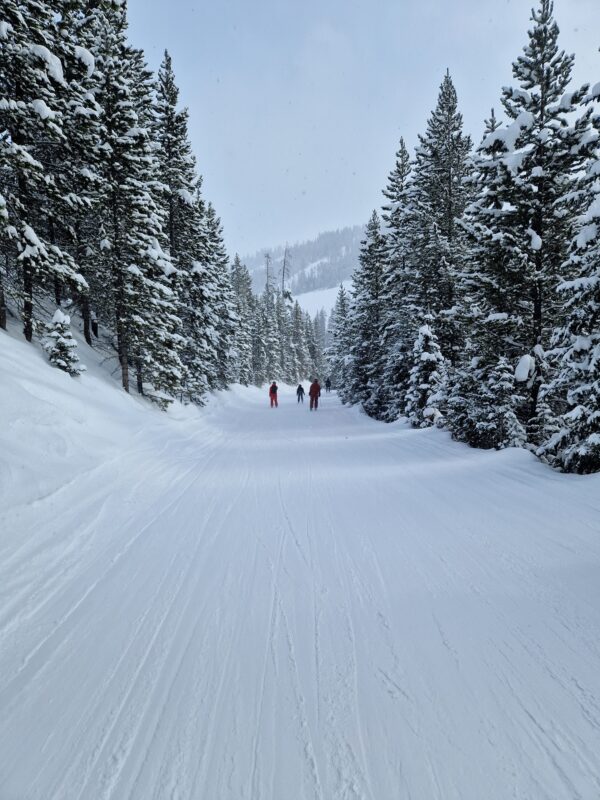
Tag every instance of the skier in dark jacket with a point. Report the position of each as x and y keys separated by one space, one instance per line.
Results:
x=273 y=394
x=300 y=393
x=328 y=385
x=314 y=393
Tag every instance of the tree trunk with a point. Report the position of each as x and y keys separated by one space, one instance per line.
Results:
x=138 y=374
x=84 y=298
x=57 y=282
x=120 y=300
x=121 y=328
x=86 y=315
x=537 y=339
x=27 y=300
x=123 y=352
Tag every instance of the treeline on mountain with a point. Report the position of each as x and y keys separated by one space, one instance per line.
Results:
x=320 y=263
x=102 y=216
x=476 y=302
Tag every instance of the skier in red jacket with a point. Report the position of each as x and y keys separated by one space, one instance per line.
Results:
x=273 y=394
x=314 y=393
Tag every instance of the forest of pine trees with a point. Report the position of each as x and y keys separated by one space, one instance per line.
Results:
x=275 y=339
x=476 y=303
x=102 y=214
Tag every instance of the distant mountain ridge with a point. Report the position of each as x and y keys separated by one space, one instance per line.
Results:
x=320 y=263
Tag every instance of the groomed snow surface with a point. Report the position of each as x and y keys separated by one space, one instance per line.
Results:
x=241 y=602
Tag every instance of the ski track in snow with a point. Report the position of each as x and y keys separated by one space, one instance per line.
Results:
x=257 y=604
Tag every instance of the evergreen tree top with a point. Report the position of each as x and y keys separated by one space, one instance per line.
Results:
x=446 y=121
x=372 y=246
x=398 y=177
x=373 y=225
x=542 y=71
x=492 y=123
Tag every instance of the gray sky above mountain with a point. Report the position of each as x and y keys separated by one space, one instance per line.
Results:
x=296 y=108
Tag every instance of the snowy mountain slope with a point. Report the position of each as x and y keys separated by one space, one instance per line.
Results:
x=321 y=263
x=313 y=302
x=244 y=603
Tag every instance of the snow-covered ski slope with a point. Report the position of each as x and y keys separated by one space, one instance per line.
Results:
x=272 y=604
x=321 y=299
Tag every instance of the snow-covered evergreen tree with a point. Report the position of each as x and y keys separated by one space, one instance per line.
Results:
x=519 y=224
x=299 y=342
x=222 y=301
x=398 y=327
x=244 y=305
x=177 y=166
x=339 y=349
x=140 y=302
x=31 y=80
x=483 y=400
x=427 y=378
x=61 y=346
x=71 y=219
x=259 y=349
x=367 y=363
x=269 y=333
x=196 y=248
x=576 y=443
x=438 y=198
x=320 y=328
x=315 y=363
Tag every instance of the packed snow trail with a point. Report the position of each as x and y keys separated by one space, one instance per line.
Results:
x=276 y=604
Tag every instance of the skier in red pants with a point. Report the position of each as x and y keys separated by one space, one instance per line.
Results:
x=273 y=394
x=314 y=393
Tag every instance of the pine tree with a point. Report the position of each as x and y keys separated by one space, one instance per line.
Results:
x=366 y=319
x=315 y=368
x=71 y=219
x=271 y=366
x=519 y=222
x=197 y=290
x=398 y=327
x=31 y=77
x=283 y=333
x=519 y=225
x=540 y=227
x=439 y=196
x=576 y=443
x=222 y=301
x=61 y=346
x=426 y=382
x=244 y=308
x=320 y=328
x=177 y=166
x=259 y=348
x=483 y=402
x=339 y=350
x=140 y=301
x=191 y=241
x=302 y=355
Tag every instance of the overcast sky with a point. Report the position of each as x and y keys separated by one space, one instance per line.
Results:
x=296 y=107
